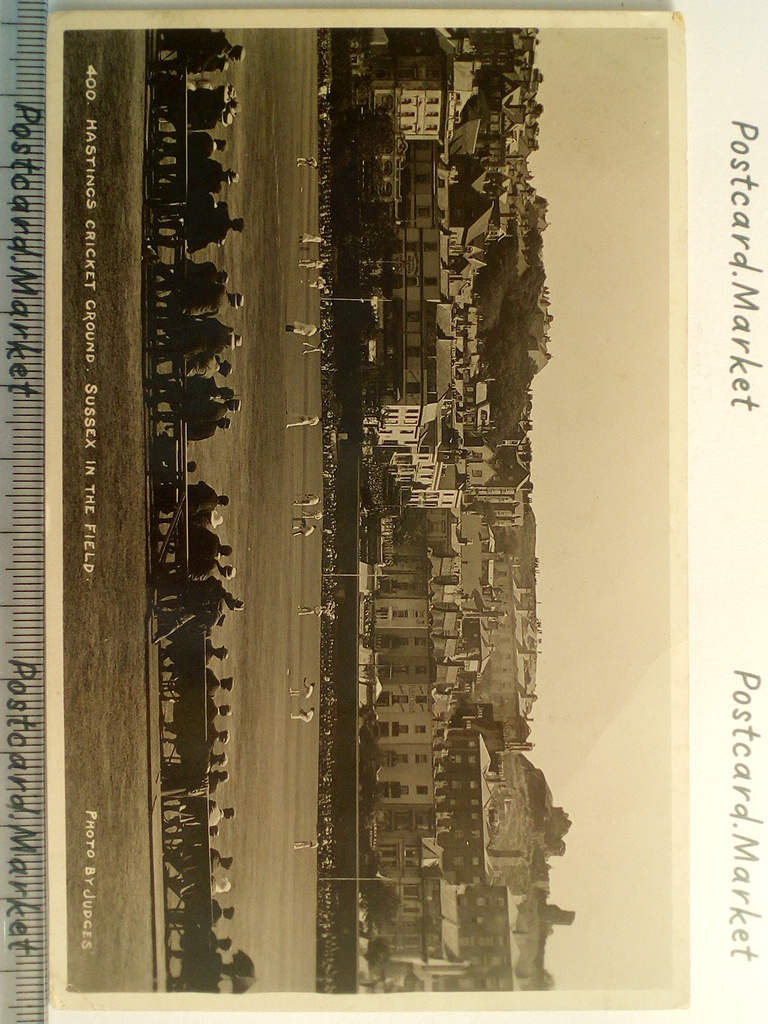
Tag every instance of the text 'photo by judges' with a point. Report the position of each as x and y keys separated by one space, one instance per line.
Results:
x=366 y=426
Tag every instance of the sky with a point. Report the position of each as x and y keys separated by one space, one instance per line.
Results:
x=601 y=499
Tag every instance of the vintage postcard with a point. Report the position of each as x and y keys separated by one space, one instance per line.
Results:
x=367 y=573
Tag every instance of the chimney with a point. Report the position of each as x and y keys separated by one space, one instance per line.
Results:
x=554 y=915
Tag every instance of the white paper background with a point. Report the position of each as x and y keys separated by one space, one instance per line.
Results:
x=728 y=80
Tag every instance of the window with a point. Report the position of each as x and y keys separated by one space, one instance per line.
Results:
x=390 y=789
x=473 y=784
x=404 y=791
x=423 y=179
x=420 y=670
x=458 y=862
x=399 y=613
x=392 y=758
x=472 y=759
x=422 y=790
x=475 y=861
x=421 y=758
x=411 y=890
x=423 y=211
x=383 y=728
x=399 y=730
x=428 y=281
x=399 y=698
x=430 y=247
x=422 y=698
x=414 y=315
x=411 y=280
x=421 y=728
x=419 y=641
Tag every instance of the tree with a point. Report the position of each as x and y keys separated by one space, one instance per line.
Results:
x=378 y=953
x=487 y=511
x=376 y=134
x=380 y=902
x=412 y=527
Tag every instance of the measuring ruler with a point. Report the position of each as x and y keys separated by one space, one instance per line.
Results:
x=23 y=970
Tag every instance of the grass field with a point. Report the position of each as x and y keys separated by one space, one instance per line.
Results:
x=104 y=656
x=273 y=761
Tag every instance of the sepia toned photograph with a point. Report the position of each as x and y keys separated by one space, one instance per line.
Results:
x=366 y=621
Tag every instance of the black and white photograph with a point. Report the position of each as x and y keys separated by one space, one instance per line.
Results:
x=366 y=553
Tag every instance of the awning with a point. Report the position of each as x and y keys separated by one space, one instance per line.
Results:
x=447 y=675
x=480 y=226
x=464 y=139
x=463 y=75
x=429 y=413
x=431 y=854
x=444 y=319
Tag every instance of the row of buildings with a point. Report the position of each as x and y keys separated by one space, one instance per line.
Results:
x=465 y=118
x=464 y=824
